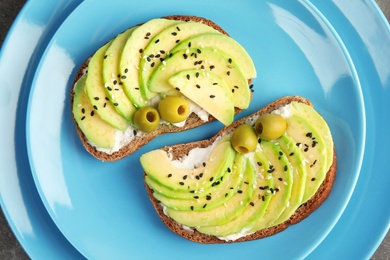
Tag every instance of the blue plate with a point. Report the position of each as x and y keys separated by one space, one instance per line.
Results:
x=103 y=209
x=372 y=70
x=20 y=202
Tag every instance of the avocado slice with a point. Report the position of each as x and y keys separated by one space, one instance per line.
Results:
x=214 y=196
x=112 y=79
x=160 y=47
x=318 y=122
x=96 y=92
x=133 y=52
x=160 y=168
x=258 y=204
x=207 y=59
x=225 y=212
x=314 y=150
x=94 y=128
x=282 y=173
x=295 y=157
x=208 y=91
x=223 y=43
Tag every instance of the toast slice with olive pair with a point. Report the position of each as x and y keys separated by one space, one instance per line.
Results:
x=251 y=180
x=119 y=93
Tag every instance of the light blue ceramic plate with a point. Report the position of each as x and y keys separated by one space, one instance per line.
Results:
x=75 y=215
x=103 y=209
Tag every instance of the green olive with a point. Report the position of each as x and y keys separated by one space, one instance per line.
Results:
x=146 y=119
x=270 y=126
x=174 y=109
x=244 y=139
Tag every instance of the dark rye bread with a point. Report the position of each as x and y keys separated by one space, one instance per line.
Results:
x=181 y=150
x=192 y=122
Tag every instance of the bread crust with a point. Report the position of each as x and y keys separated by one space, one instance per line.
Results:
x=138 y=141
x=301 y=213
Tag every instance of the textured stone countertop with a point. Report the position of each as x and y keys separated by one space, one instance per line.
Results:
x=9 y=246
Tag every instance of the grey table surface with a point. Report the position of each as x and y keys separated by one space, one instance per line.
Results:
x=9 y=246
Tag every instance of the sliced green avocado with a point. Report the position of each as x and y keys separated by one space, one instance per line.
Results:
x=281 y=172
x=132 y=54
x=94 y=128
x=160 y=47
x=214 y=196
x=207 y=59
x=224 y=43
x=313 y=149
x=112 y=79
x=295 y=157
x=160 y=168
x=96 y=92
x=261 y=197
x=224 y=213
x=318 y=122
x=208 y=91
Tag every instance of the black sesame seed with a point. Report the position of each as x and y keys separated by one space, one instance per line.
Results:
x=285 y=168
x=230 y=60
x=188 y=76
x=208 y=197
x=135 y=133
x=204 y=164
x=198 y=51
x=263 y=198
x=226 y=194
x=126 y=70
x=105 y=104
x=251 y=86
x=228 y=73
x=204 y=206
x=162 y=51
x=228 y=169
x=189 y=45
x=309 y=134
x=141 y=50
x=124 y=76
x=197 y=74
x=200 y=175
x=178 y=28
x=177 y=41
x=252 y=204
x=215 y=83
x=184 y=177
x=212 y=96
x=246 y=182
x=96 y=98
x=259 y=164
x=115 y=82
x=314 y=144
x=291 y=154
x=185 y=56
x=83 y=110
x=298 y=144
x=196 y=197
x=82 y=118
x=157 y=41
x=116 y=104
x=233 y=90
x=313 y=179
x=174 y=33
x=177 y=88
x=192 y=208
x=239 y=191
x=197 y=177
x=211 y=179
x=92 y=113
x=105 y=56
x=170 y=175
x=280 y=179
x=212 y=67
x=192 y=191
x=95 y=107
x=152 y=65
x=181 y=183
